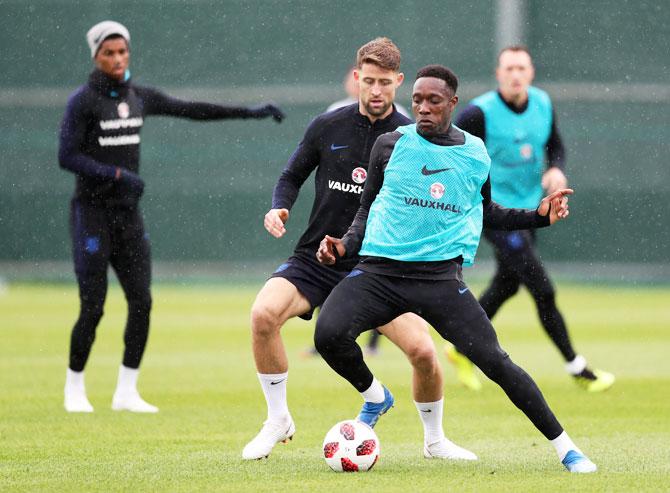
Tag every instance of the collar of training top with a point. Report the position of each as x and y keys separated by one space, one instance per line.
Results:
x=108 y=86
x=453 y=137
x=364 y=121
x=515 y=109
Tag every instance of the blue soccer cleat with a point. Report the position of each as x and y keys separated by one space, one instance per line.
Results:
x=371 y=411
x=577 y=462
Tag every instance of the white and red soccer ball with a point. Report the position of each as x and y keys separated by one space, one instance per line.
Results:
x=351 y=446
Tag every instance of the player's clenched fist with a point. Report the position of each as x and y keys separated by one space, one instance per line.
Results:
x=556 y=205
x=330 y=249
x=274 y=222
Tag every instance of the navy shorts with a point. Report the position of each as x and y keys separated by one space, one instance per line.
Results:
x=312 y=279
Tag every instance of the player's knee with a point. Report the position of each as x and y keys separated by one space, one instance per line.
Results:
x=264 y=320
x=328 y=338
x=545 y=297
x=424 y=357
x=140 y=305
x=494 y=364
x=323 y=338
x=91 y=312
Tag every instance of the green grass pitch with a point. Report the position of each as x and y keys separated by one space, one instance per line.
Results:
x=198 y=369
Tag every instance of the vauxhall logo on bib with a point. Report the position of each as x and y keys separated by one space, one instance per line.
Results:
x=436 y=191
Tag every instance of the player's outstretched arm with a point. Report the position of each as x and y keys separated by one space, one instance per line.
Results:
x=274 y=222
x=555 y=205
x=267 y=110
x=330 y=249
x=158 y=103
x=552 y=208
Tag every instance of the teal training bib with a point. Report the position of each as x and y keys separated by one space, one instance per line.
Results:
x=516 y=143
x=430 y=205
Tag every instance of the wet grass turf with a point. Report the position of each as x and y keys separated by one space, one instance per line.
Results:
x=198 y=369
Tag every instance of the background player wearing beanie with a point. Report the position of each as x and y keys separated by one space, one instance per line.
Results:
x=518 y=125
x=100 y=144
x=337 y=145
x=425 y=201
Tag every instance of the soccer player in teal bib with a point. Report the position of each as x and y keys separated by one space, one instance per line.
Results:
x=423 y=207
x=518 y=126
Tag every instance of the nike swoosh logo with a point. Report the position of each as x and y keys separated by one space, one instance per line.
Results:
x=427 y=172
x=334 y=147
x=278 y=381
x=426 y=411
x=461 y=291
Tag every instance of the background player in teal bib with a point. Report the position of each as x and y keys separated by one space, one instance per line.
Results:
x=518 y=125
x=425 y=200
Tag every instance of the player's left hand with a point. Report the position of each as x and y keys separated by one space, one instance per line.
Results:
x=554 y=179
x=327 y=249
x=269 y=109
x=556 y=205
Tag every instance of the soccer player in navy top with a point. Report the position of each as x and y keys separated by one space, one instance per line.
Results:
x=100 y=144
x=425 y=202
x=337 y=147
x=518 y=125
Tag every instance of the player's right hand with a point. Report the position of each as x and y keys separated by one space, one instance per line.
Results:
x=274 y=222
x=330 y=249
x=556 y=205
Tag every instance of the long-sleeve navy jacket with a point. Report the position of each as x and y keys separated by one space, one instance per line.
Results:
x=337 y=145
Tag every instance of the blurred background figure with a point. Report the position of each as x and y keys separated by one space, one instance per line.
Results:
x=517 y=122
x=100 y=144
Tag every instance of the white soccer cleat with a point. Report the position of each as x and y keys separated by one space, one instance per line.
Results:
x=577 y=462
x=446 y=449
x=270 y=435
x=76 y=400
x=131 y=401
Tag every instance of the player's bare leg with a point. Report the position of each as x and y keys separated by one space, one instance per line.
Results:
x=277 y=301
x=410 y=333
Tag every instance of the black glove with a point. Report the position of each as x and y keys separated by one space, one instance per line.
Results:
x=132 y=182
x=265 y=110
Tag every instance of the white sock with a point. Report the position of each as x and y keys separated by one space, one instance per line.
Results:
x=274 y=389
x=127 y=382
x=563 y=444
x=374 y=393
x=576 y=366
x=431 y=417
x=74 y=379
